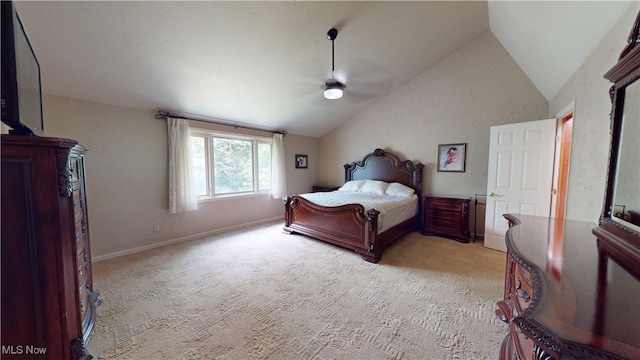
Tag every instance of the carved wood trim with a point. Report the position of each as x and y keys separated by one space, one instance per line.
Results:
x=65 y=187
x=407 y=173
x=634 y=38
x=539 y=354
x=541 y=336
x=610 y=236
x=79 y=350
x=577 y=351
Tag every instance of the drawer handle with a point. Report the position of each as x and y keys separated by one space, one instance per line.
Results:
x=525 y=295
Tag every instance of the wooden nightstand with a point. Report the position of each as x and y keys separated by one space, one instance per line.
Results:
x=446 y=216
x=320 y=188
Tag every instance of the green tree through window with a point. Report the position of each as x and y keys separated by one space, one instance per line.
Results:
x=233 y=171
x=264 y=166
x=227 y=165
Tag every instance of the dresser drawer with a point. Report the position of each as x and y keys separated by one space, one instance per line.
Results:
x=522 y=290
x=74 y=168
x=80 y=235
x=81 y=271
x=84 y=303
x=78 y=208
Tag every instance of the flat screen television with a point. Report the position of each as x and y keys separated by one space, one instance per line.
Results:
x=21 y=91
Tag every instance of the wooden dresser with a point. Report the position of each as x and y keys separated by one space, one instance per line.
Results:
x=563 y=299
x=48 y=302
x=446 y=216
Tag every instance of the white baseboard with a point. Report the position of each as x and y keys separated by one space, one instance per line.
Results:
x=184 y=238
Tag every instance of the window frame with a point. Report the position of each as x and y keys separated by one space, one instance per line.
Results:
x=208 y=136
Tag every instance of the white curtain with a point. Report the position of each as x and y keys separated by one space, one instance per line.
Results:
x=182 y=194
x=279 y=174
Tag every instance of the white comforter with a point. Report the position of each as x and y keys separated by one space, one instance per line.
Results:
x=393 y=209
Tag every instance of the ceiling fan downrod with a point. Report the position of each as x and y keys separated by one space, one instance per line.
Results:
x=332 y=35
x=333 y=88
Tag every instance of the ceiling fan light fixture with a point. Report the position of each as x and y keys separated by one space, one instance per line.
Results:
x=333 y=89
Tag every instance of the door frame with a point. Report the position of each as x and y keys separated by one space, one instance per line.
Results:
x=564 y=135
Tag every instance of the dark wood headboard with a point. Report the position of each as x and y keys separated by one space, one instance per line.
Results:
x=385 y=166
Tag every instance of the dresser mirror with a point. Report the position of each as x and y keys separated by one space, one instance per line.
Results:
x=619 y=230
x=626 y=191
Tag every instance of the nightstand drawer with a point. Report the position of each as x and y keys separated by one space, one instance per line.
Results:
x=445 y=204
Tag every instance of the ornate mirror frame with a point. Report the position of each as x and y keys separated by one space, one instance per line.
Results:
x=616 y=239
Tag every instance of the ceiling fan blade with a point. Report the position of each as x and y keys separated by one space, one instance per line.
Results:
x=364 y=79
x=304 y=78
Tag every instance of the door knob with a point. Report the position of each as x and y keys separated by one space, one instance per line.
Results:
x=492 y=194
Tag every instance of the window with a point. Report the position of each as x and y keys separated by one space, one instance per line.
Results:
x=226 y=164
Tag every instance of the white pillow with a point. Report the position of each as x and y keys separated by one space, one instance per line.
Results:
x=352 y=186
x=397 y=189
x=374 y=186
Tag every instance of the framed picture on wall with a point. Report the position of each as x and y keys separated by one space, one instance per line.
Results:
x=452 y=157
x=302 y=161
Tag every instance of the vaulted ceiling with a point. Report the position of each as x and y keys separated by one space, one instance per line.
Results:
x=264 y=63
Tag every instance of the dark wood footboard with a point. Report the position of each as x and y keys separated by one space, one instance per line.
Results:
x=348 y=226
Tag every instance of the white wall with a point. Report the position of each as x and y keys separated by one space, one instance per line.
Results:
x=301 y=180
x=590 y=143
x=127 y=178
x=455 y=101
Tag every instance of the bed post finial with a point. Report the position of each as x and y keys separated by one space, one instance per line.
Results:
x=372 y=215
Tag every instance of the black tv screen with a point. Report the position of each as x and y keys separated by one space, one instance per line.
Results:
x=21 y=91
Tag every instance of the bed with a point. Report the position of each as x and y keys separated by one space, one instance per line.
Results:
x=352 y=226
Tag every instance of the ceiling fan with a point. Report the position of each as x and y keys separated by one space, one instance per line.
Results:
x=333 y=88
x=356 y=80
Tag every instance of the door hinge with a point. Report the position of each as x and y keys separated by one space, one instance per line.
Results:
x=553 y=191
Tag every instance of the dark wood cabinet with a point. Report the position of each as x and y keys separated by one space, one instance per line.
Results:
x=321 y=188
x=446 y=216
x=563 y=298
x=48 y=302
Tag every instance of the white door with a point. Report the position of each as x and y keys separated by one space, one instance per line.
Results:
x=520 y=178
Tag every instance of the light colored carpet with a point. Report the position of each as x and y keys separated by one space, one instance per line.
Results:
x=261 y=294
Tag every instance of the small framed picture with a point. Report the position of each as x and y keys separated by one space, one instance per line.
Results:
x=452 y=157
x=302 y=161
